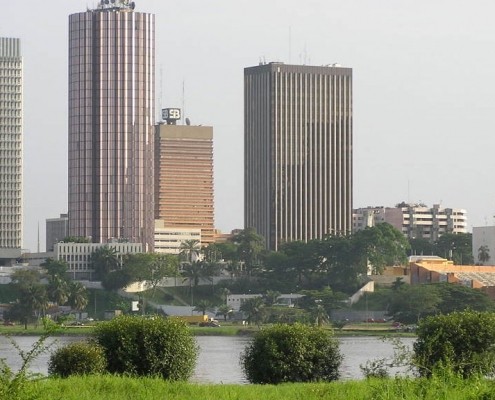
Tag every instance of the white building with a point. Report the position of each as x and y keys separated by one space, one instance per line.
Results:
x=10 y=150
x=78 y=255
x=484 y=236
x=413 y=220
x=169 y=239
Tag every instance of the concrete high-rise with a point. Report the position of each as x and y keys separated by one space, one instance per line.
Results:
x=184 y=180
x=111 y=123
x=297 y=151
x=11 y=118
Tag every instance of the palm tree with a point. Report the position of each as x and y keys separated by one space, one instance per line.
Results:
x=320 y=315
x=483 y=254
x=190 y=249
x=250 y=246
x=225 y=310
x=78 y=296
x=58 y=290
x=202 y=306
x=271 y=297
x=254 y=308
x=104 y=260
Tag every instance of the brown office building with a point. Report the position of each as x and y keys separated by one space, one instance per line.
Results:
x=184 y=178
x=111 y=123
x=297 y=151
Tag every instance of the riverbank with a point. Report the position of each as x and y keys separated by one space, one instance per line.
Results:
x=224 y=330
x=117 y=388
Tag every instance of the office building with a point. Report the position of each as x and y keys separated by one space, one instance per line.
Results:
x=184 y=179
x=415 y=221
x=168 y=240
x=11 y=118
x=78 y=256
x=111 y=123
x=298 y=151
x=56 y=230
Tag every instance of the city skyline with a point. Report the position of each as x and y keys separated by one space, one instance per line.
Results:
x=422 y=81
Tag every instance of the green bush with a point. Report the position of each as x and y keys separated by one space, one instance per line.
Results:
x=148 y=346
x=78 y=358
x=292 y=353
x=463 y=342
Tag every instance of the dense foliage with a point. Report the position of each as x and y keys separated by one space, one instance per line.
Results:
x=453 y=246
x=78 y=358
x=148 y=346
x=292 y=353
x=461 y=341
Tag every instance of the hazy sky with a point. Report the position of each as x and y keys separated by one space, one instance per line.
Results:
x=424 y=84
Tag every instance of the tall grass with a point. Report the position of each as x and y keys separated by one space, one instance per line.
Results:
x=119 y=388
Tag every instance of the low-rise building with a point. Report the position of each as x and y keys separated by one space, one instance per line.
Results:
x=78 y=255
x=437 y=270
x=484 y=245
x=168 y=239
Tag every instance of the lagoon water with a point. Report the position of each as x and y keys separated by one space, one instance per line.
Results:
x=218 y=360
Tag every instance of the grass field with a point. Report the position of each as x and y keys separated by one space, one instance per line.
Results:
x=120 y=388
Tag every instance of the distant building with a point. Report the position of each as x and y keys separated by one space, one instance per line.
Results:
x=111 y=116
x=413 y=220
x=78 y=255
x=11 y=123
x=168 y=240
x=484 y=236
x=437 y=270
x=184 y=179
x=56 y=230
x=297 y=151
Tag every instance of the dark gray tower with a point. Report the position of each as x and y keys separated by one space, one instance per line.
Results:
x=298 y=151
x=111 y=123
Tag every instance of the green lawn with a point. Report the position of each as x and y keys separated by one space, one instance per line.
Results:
x=120 y=388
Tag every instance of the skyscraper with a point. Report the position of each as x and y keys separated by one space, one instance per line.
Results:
x=184 y=179
x=111 y=123
x=298 y=151
x=10 y=149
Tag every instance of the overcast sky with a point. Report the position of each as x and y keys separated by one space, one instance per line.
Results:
x=424 y=84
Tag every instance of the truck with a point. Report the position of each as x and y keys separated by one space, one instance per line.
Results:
x=193 y=319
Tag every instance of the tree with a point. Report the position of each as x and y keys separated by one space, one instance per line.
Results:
x=292 y=353
x=103 y=261
x=420 y=246
x=225 y=310
x=78 y=296
x=271 y=297
x=254 y=309
x=190 y=249
x=76 y=239
x=32 y=300
x=381 y=246
x=55 y=267
x=139 y=346
x=193 y=272
x=411 y=303
x=461 y=341
x=58 y=290
x=483 y=254
x=162 y=266
x=202 y=306
x=457 y=247
x=250 y=245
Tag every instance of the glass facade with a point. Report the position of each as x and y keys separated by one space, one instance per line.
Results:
x=111 y=125
x=11 y=122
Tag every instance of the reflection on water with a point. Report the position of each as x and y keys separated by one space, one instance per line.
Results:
x=218 y=360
